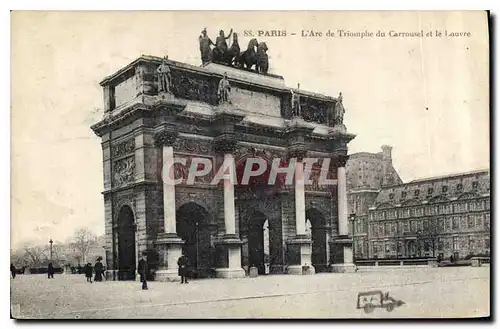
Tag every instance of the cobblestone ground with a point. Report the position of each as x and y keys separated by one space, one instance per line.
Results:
x=439 y=292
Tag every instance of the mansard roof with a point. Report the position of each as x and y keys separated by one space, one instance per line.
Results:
x=437 y=189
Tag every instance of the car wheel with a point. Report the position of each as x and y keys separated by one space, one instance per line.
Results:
x=369 y=308
x=390 y=307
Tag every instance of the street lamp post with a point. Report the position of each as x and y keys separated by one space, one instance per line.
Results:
x=51 y=242
x=352 y=219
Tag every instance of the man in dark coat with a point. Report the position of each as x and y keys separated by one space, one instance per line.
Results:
x=50 y=271
x=13 y=270
x=143 y=271
x=98 y=269
x=88 y=272
x=183 y=268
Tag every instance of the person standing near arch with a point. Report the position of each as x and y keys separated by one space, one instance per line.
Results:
x=50 y=271
x=183 y=267
x=143 y=271
x=13 y=270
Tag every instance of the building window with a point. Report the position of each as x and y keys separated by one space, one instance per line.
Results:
x=400 y=249
x=426 y=224
x=403 y=195
x=441 y=224
x=391 y=196
x=487 y=243
x=460 y=207
x=404 y=213
x=479 y=205
x=414 y=226
x=444 y=189
x=460 y=187
x=417 y=193
x=387 y=248
x=475 y=185
x=406 y=227
x=448 y=224
x=418 y=211
x=381 y=229
x=470 y=242
x=430 y=190
x=387 y=229
x=470 y=221
x=447 y=243
x=455 y=225
x=478 y=220
x=375 y=248
x=487 y=221
x=455 y=243
x=440 y=244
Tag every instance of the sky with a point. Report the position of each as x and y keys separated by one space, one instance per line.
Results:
x=427 y=97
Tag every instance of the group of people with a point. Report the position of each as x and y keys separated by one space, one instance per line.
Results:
x=143 y=270
x=50 y=271
x=98 y=269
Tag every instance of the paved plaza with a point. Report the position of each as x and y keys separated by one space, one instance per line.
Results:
x=427 y=292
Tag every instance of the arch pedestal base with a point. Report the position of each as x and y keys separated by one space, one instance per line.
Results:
x=170 y=250
x=229 y=258
x=299 y=256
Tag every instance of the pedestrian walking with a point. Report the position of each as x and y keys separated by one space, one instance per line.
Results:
x=50 y=271
x=13 y=270
x=98 y=269
x=143 y=271
x=88 y=272
x=182 y=262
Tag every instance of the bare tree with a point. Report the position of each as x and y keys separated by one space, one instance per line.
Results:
x=82 y=241
x=35 y=256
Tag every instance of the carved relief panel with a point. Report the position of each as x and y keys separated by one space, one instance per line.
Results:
x=123 y=171
x=123 y=167
x=189 y=86
x=314 y=111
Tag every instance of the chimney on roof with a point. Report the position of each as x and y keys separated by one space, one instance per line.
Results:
x=387 y=178
x=386 y=152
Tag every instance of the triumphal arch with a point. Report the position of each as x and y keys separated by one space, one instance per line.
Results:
x=158 y=111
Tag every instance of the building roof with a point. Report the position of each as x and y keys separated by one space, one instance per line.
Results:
x=440 y=188
x=370 y=171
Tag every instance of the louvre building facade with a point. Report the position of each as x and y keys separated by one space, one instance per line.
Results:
x=432 y=217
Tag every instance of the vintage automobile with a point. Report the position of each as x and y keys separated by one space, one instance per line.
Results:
x=370 y=300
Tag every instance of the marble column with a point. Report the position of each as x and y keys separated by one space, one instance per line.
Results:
x=229 y=247
x=229 y=207
x=168 y=191
x=343 y=241
x=300 y=200
x=169 y=244
x=342 y=201
x=300 y=247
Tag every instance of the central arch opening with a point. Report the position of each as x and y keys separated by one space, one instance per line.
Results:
x=316 y=230
x=193 y=226
x=126 y=244
x=258 y=242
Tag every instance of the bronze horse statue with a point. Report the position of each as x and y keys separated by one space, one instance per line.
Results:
x=262 y=58
x=254 y=55
x=248 y=58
